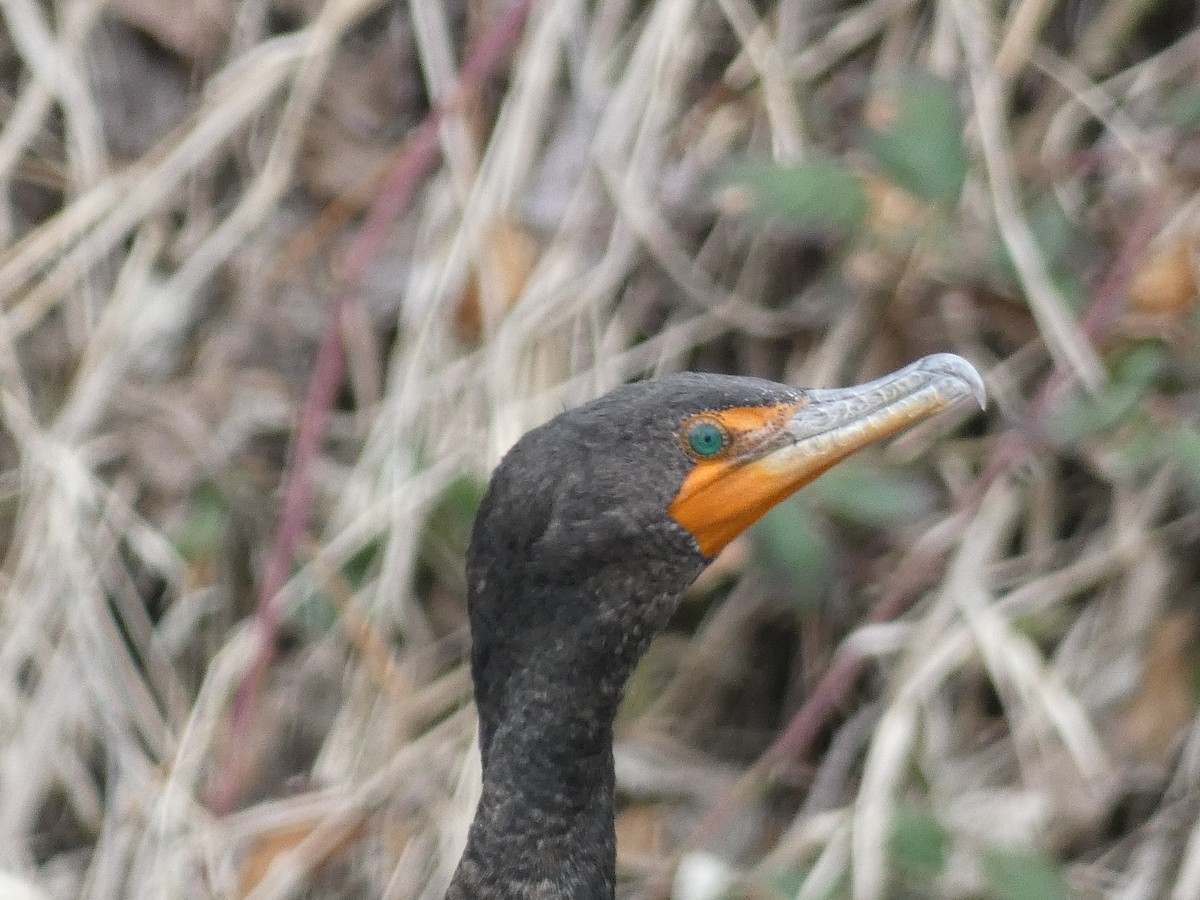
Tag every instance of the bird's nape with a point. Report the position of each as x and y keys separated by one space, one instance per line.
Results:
x=591 y=527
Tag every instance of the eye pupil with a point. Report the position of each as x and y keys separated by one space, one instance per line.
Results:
x=706 y=439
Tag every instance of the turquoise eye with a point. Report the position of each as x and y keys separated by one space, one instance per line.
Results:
x=706 y=439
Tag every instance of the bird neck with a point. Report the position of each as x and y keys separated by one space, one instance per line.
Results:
x=544 y=825
x=547 y=699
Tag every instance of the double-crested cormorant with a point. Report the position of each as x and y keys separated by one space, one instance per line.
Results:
x=592 y=526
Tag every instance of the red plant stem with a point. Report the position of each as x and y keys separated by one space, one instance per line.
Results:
x=417 y=158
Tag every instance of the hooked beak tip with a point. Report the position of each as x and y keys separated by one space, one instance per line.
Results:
x=963 y=378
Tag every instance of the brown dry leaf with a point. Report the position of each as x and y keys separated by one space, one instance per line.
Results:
x=1165 y=283
x=194 y=30
x=362 y=122
x=274 y=844
x=640 y=832
x=354 y=135
x=1164 y=704
x=893 y=212
x=715 y=124
x=509 y=256
x=896 y=219
x=339 y=166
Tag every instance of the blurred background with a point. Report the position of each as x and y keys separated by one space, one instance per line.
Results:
x=282 y=279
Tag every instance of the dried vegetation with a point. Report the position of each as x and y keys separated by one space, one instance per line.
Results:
x=283 y=278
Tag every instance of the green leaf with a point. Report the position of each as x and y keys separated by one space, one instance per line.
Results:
x=1140 y=448
x=462 y=497
x=918 y=841
x=454 y=512
x=314 y=612
x=869 y=498
x=811 y=195
x=1183 y=110
x=203 y=531
x=1054 y=231
x=1072 y=289
x=1133 y=378
x=361 y=563
x=1183 y=446
x=447 y=530
x=917 y=137
x=1056 y=236
x=1021 y=875
x=789 y=882
x=789 y=542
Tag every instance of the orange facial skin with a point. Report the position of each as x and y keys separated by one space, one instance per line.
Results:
x=726 y=494
x=770 y=452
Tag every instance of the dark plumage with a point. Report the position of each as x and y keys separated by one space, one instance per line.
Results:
x=574 y=565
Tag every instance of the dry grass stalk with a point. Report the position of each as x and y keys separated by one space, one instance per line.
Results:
x=163 y=295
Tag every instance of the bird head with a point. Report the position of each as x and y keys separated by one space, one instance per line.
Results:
x=592 y=526
x=609 y=510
